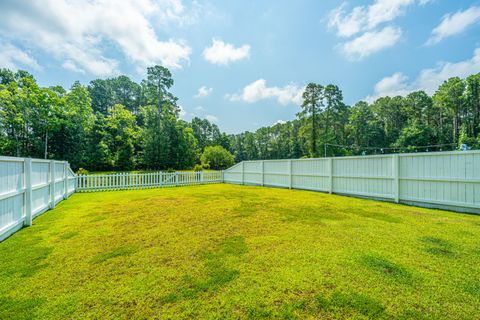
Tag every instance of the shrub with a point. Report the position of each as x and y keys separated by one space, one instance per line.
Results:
x=82 y=171
x=217 y=158
x=171 y=170
x=198 y=167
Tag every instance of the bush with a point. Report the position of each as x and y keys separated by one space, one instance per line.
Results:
x=82 y=171
x=217 y=158
x=171 y=170
x=200 y=167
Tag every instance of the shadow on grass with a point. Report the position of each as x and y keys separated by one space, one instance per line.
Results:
x=68 y=235
x=218 y=274
x=438 y=247
x=387 y=268
x=19 y=308
x=353 y=303
x=309 y=214
x=28 y=263
x=377 y=215
x=117 y=252
x=338 y=305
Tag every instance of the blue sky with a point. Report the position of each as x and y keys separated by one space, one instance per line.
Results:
x=243 y=64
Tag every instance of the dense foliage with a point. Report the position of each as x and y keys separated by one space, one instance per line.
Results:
x=118 y=124
x=327 y=126
x=111 y=124
x=217 y=158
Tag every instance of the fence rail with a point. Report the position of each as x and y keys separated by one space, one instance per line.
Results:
x=30 y=187
x=128 y=181
x=445 y=180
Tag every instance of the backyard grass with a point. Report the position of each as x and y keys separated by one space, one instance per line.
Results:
x=228 y=252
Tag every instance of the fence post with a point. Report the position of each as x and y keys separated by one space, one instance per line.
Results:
x=263 y=173
x=290 y=174
x=243 y=172
x=396 y=171
x=201 y=177
x=176 y=179
x=28 y=191
x=330 y=175
x=65 y=180
x=52 y=184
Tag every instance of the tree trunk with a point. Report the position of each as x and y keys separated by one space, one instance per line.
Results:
x=46 y=143
x=314 y=134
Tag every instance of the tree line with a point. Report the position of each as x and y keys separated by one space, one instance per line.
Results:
x=110 y=124
x=118 y=124
x=326 y=126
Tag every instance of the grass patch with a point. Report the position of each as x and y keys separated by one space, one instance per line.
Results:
x=437 y=246
x=310 y=214
x=117 y=252
x=357 y=304
x=238 y=252
x=386 y=268
x=218 y=274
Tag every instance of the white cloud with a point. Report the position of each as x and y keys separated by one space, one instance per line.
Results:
x=70 y=65
x=386 y=10
x=211 y=118
x=365 y=23
x=258 y=90
x=347 y=24
x=364 y=18
x=371 y=42
x=11 y=56
x=203 y=92
x=222 y=53
x=200 y=109
x=182 y=113
x=83 y=32
x=279 y=122
x=453 y=24
x=428 y=79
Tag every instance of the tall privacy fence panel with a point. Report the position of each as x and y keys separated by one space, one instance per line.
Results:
x=128 y=181
x=446 y=180
x=28 y=188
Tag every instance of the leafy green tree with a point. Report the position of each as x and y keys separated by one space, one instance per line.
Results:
x=449 y=99
x=217 y=158
x=415 y=134
x=159 y=81
x=122 y=132
x=76 y=122
x=364 y=128
x=99 y=157
x=312 y=106
x=335 y=117
x=126 y=92
x=472 y=100
x=389 y=112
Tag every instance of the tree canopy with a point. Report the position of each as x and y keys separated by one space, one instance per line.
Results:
x=118 y=124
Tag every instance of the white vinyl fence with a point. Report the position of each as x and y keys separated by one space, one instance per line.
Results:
x=126 y=181
x=29 y=187
x=446 y=180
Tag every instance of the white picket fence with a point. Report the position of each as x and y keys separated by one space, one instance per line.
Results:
x=29 y=187
x=445 y=180
x=129 y=181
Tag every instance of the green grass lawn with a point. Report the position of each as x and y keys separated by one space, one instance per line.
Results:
x=228 y=252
